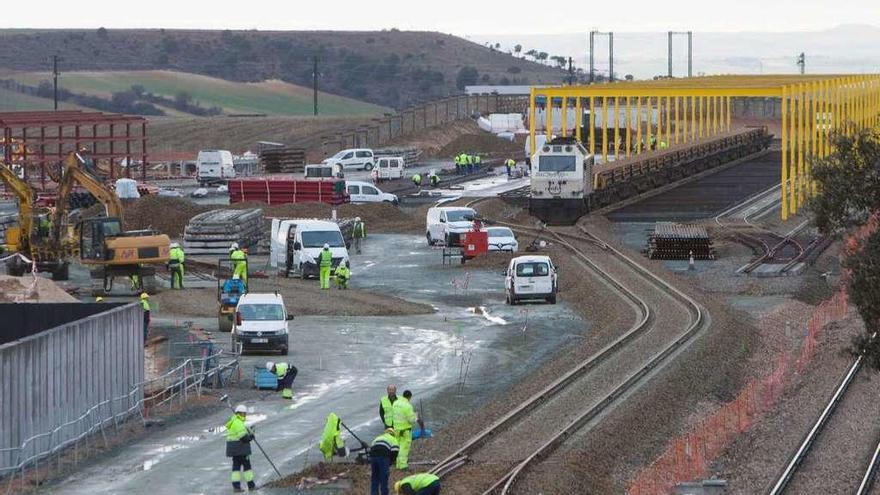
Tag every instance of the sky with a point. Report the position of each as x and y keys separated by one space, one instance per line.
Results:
x=459 y=17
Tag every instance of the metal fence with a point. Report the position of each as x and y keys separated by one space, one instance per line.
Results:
x=63 y=387
x=416 y=119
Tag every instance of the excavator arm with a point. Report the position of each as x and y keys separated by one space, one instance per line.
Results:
x=74 y=173
x=25 y=196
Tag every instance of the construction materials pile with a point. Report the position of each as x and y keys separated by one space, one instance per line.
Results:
x=283 y=190
x=31 y=289
x=214 y=231
x=285 y=160
x=410 y=155
x=6 y=220
x=674 y=241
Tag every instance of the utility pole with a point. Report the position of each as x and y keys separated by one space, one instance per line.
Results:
x=55 y=80
x=315 y=82
x=610 y=55
x=570 y=72
x=802 y=63
x=690 y=51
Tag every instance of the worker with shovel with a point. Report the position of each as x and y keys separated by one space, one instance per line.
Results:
x=286 y=373
x=331 y=439
x=238 y=447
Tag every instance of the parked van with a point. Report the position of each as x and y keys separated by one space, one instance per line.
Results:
x=444 y=222
x=364 y=192
x=296 y=245
x=261 y=323
x=214 y=167
x=358 y=159
x=389 y=168
x=324 y=171
x=530 y=278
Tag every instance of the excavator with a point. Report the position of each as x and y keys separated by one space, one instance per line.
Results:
x=103 y=246
x=34 y=236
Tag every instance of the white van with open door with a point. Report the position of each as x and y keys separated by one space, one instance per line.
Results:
x=530 y=278
x=296 y=245
x=389 y=168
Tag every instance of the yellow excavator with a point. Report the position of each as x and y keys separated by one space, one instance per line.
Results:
x=103 y=246
x=35 y=237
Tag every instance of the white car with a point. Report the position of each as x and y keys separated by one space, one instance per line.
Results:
x=445 y=223
x=364 y=192
x=502 y=239
x=358 y=159
x=530 y=278
x=261 y=323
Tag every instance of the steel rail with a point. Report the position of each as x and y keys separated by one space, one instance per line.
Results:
x=868 y=478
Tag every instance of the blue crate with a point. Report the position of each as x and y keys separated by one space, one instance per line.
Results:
x=264 y=379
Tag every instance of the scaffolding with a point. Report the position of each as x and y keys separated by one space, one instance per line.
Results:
x=648 y=115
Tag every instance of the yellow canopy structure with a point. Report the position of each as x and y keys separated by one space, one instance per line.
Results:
x=675 y=111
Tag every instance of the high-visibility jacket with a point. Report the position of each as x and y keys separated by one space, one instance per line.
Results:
x=385 y=445
x=435 y=179
x=281 y=369
x=404 y=416
x=176 y=256
x=477 y=159
x=145 y=304
x=456 y=159
x=386 y=410
x=331 y=438
x=470 y=159
x=418 y=481
x=510 y=163
x=360 y=230
x=343 y=272
x=463 y=159
x=325 y=258
x=237 y=437
x=237 y=257
x=417 y=179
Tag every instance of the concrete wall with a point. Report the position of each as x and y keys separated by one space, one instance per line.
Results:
x=67 y=381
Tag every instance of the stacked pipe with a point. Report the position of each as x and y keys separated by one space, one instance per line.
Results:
x=80 y=200
x=277 y=191
x=214 y=231
x=410 y=155
x=673 y=241
x=284 y=160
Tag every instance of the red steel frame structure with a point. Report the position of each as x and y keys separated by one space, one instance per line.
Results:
x=47 y=136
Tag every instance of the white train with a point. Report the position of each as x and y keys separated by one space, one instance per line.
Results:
x=561 y=178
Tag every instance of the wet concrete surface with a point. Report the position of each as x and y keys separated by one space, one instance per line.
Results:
x=452 y=360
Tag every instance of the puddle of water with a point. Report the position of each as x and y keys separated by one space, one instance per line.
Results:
x=158 y=453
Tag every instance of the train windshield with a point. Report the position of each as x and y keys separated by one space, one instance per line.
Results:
x=557 y=163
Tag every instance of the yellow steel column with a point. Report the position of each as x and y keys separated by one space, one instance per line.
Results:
x=548 y=116
x=713 y=115
x=811 y=126
x=693 y=134
x=579 y=121
x=563 y=117
x=628 y=121
x=616 y=127
x=792 y=170
x=784 y=142
x=592 y=129
x=604 y=129
x=700 y=116
x=802 y=141
x=668 y=121
x=729 y=108
x=677 y=134
x=532 y=126
x=823 y=121
x=649 y=123
x=638 y=125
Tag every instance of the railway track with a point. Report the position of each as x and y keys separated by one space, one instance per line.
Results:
x=793 y=479
x=664 y=318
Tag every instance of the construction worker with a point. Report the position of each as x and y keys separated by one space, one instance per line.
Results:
x=342 y=275
x=331 y=439
x=470 y=164
x=175 y=265
x=509 y=164
x=462 y=158
x=145 y=305
x=418 y=484
x=238 y=446
x=417 y=180
x=325 y=265
x=663 y=144
x=404 y=417
x=434 y=179
x=383 y=453
x=239 y=262
x=286 y=373
x=478 y=162
x=386 y=406
x=359 y=232
x=457 y=161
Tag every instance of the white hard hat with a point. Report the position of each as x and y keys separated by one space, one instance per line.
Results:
x=270 y=365
x=241 y=408
x=174 y=245
x=326 y=246
x=234 y=246
x=357 y=219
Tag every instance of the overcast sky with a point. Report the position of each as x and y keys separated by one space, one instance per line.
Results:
x=458 y=17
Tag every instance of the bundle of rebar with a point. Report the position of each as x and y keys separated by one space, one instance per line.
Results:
x=674 y=241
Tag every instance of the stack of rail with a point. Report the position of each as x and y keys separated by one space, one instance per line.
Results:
x=280 y=190
x=214 y=231
x=674 y=241
x=410 y=155
x=284 y=160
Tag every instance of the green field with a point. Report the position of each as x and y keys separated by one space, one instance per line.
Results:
x=268 y=97
x=12 y=101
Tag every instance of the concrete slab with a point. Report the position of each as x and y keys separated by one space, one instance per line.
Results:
x=453 y=360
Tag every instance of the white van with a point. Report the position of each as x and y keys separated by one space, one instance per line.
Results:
x=324 y=171
x=261 y=323
x=530 y=277
x=214 y=167
x=445 y=221
x=357 y=158
x=296 y=245
x=364 y=192
x=389 y=168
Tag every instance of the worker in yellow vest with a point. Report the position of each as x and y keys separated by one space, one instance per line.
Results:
x=238 y=447
x=325 y=264
x=176 y=259
x=386 y=406
x=331 y=439
x=239 y=262
x=286 y=373
x=509 y=164
x=404 y=417
x=418 y=484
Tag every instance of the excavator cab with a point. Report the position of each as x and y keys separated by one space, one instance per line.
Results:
x=93 y=236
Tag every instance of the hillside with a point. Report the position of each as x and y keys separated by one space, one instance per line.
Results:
x=11 y=101
x=268 y=97
x=389 y=68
